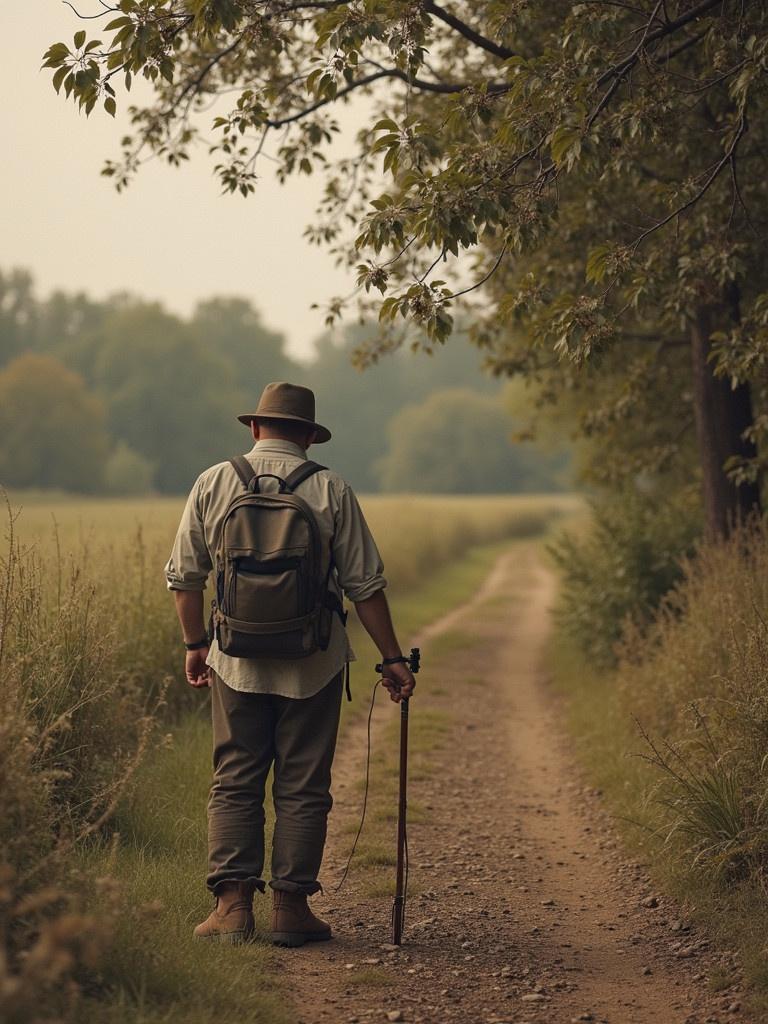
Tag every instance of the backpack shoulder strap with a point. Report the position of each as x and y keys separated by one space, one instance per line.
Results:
x=243 y=468
x=302 y=473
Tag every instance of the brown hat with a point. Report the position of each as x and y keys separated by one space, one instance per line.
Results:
x=281 y=401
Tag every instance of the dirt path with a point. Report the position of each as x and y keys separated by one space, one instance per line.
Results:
x=523 y=907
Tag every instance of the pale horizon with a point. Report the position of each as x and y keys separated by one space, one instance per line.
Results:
x=171 y=237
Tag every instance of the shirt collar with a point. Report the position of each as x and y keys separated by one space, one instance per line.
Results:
x=276 y=444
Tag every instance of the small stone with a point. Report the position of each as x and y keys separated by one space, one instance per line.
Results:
x=534 y=997
x=506 y=972
x=734 y=1007
x=547 y=903
x=466 y=945
x=395 y=1015
x=647 y=970
x=372 y=960
x=651 y=902
x=581 y=1017
x=349 y=967
x=389 y=947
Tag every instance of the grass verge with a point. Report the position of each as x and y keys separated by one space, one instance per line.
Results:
x=613 y=751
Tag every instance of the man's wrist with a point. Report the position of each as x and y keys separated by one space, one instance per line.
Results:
x=398 y=659
x=196 y=645
x=391 y=652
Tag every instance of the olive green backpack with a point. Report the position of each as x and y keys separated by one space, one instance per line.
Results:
x=273 y=598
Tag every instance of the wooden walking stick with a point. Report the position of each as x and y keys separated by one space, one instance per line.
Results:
x=401 y=884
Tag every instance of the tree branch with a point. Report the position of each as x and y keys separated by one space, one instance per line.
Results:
x=724 y=162
x=467 y=31
x=486 y=277
x=417 y=83
x=660 y=33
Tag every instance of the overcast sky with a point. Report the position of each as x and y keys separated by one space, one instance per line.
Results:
x=171 y=236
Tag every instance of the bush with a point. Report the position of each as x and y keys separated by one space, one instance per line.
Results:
x=127 y=472
x=457 y=441
x=619 y=572
x=52 y=429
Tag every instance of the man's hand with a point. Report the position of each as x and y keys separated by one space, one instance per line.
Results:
x=197 y=672
x=399 y=680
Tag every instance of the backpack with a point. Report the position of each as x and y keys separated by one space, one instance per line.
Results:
x=273 y=598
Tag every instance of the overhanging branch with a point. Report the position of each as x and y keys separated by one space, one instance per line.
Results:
x=467 y=31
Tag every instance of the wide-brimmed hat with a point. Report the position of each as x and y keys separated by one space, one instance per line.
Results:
x=282 y=401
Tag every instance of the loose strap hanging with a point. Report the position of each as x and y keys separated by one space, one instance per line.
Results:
x=347 y=687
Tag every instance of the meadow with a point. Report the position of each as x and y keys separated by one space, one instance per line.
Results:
x=104 y=752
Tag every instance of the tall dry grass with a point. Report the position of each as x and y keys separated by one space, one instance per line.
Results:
x=78 y=715
x=677 y=738
x=697 y=687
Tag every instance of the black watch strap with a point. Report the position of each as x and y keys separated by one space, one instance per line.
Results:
x=198 y=645
x=399 y=660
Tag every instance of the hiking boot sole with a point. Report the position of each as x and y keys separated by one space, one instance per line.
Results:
x=294 y=939
x=240 y=938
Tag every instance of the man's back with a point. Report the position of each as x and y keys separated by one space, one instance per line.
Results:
x=342 y=527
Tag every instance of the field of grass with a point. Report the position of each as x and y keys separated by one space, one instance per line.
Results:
x=105 y=753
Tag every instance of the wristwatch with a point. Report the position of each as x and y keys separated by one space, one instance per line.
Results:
x=399 y=660
x=198 y=645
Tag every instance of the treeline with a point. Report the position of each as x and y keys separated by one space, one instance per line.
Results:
x=121 y=396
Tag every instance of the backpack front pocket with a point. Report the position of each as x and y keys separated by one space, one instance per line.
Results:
x=270 y=590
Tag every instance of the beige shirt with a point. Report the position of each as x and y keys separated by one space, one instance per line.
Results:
x=358 y=572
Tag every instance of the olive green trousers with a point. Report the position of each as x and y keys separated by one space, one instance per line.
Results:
x=253 y=732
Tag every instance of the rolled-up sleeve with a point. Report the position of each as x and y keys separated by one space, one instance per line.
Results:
x=358 y=562
x=190 y=561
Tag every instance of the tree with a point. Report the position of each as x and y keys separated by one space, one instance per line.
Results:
x=18 y=313
x=169 y=398
x=233 y=329
x=595 y=171
x=458 y=442
x=52 y=431
x=363 y=405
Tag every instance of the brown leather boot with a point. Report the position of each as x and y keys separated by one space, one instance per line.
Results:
x=293 y=923
x=231 y=920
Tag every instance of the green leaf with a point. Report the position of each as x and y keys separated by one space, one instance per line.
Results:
x=564 y=139
x=118 y=23
x=59 y=77
x=79 y=38
x=110 y=105
x=597 y=263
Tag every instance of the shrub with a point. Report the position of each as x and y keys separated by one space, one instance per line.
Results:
x=619 y=572
x=127 y=472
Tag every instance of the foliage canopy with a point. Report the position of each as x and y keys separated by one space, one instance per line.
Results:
x=592 y=172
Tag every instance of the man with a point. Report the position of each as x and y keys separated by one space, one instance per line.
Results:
x=273 y=712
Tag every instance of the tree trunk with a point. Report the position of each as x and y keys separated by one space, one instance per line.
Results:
x=722 y=414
